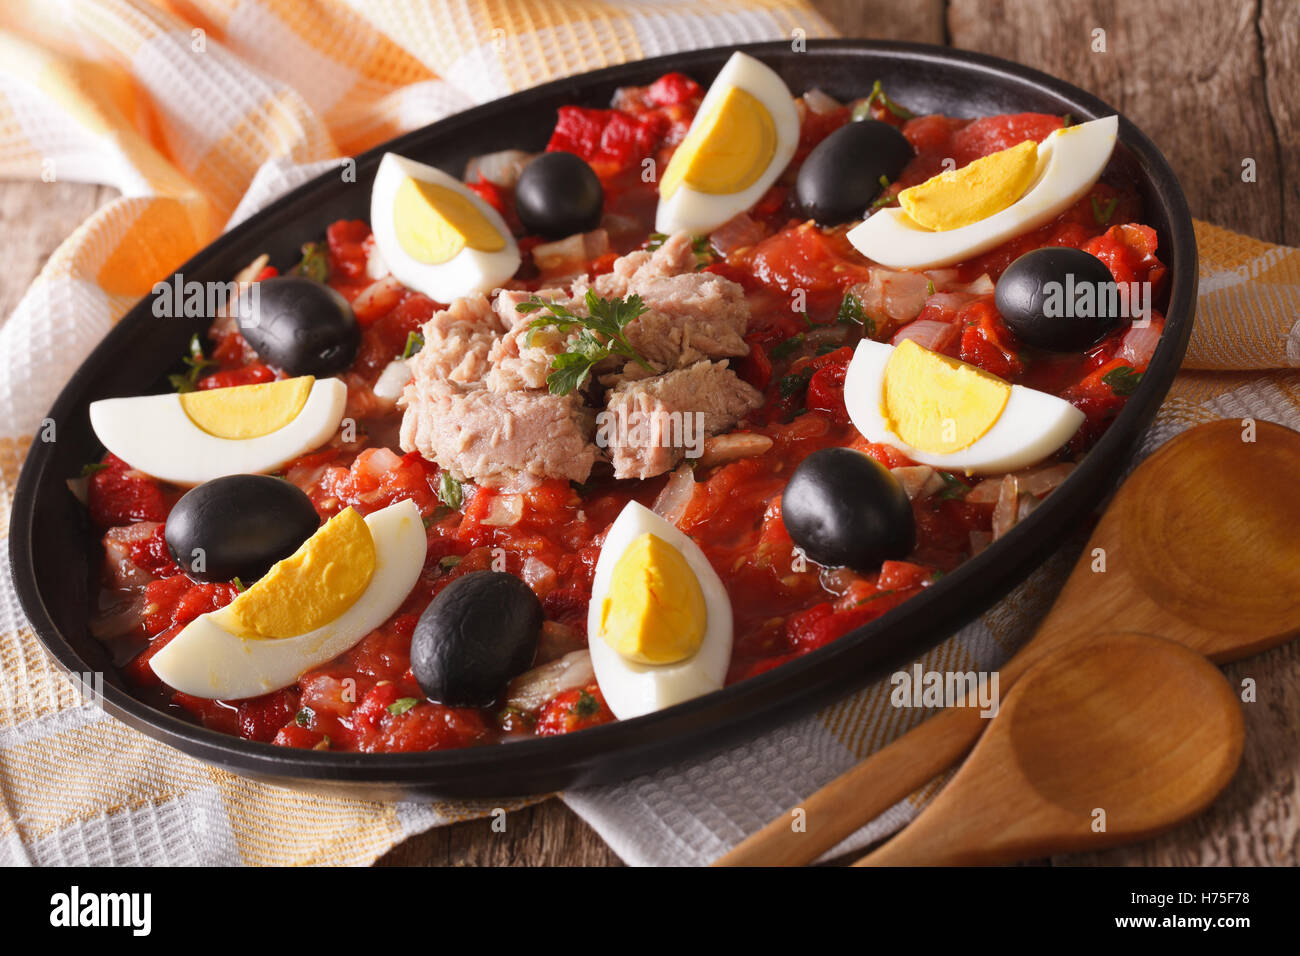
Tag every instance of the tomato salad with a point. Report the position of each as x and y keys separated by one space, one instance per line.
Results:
x=812 y=298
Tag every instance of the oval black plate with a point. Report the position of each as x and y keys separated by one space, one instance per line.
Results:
x=52 y=543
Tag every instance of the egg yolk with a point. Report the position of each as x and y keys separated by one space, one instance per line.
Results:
x=939 y=404
x=655 y=611
x=434 y=223
x=248 y=411
x=727 y=149
x=311 y=587
x=959 y=197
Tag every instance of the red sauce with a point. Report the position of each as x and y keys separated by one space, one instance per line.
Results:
x=367 y=699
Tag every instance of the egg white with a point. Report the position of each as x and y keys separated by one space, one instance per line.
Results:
x=631 y=688
x=207 y=660
x=466 y=273
x=1070 y=161
x=153 y=434
x=1032 y=425
x=701 y=212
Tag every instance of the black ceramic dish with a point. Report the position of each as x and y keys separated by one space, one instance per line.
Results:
x=54 y=549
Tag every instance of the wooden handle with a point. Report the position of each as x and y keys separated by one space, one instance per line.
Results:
x=1149 y=567
x=861 y=794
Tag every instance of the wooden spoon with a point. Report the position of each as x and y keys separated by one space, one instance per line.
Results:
x=1199 y=546
x=1098 y=745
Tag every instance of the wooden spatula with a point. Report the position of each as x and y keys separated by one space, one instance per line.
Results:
x=1099 y=744
x=1198 y=546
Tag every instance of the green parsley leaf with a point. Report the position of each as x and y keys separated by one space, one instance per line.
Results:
x=449 y=561
x=851 y=311
x=402 y=705
x=656 y=240
x=929 y=287
x=450 y=492
x=1067 y=120
x=600 y=335
x=1103 y=213
x=93 y=468
x=878 y=594
x=239 y=585
x=863 y=110
x=195 y=362
x=303 y=717
x=953 y=487
x=787 y=347
x=414 y=342
x=315 y=262
x=586 y=705
x=791 y=385
x=1123 y=380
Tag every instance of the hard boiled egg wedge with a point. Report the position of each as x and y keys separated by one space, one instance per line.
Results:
x=659 y=623
x=963 y=212
x=437 y=236
x=342 y=583
x=742 y=138
x=944 y=413
x=191 y=438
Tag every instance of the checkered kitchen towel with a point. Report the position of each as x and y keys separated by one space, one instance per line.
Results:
x=202 y=111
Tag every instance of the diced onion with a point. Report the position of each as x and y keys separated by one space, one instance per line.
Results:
x=913 y=478
x=501 y=168
x=504 y=511
x=673 y=500
x=927 y=333
x=1039 y=481
x=736 y=233
x=724 y=448
x=379 y=297
x=571 y=254
x=1139 y=343
x=539 y=576
x=1006 y=511
x=820 y=103
x=392 y=381
x=985 y=493
x=531 y=689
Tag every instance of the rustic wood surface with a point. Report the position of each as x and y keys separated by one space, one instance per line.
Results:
x=1213 y=83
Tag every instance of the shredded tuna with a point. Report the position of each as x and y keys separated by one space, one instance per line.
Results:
x=457 y=341
x=478 y=402
x=652 y=424
x=496 y=437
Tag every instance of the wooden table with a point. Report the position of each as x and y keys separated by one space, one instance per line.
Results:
x=1213 y=83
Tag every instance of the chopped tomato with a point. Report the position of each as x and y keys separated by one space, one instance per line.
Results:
x=254 y=374
x=347 y=244
x=610 y=140
x=571 y=710
x=119 y=495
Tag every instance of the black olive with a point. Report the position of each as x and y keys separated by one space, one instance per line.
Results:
x=841 y=177
x=558 y=195
x=238 y=526
x=299 y=325
x=1058 y=299
x=480 y=631
x=844 y=509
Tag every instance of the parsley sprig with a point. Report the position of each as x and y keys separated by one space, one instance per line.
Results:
x=315 y=262
x=195 y=363
x=1123 y=380
x=878 y=95
x=600 y=335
